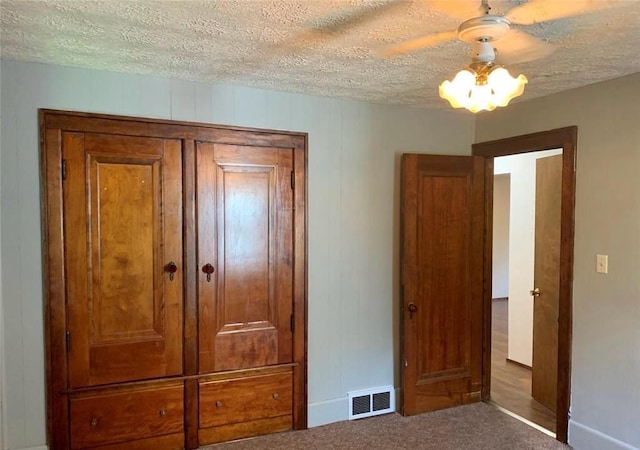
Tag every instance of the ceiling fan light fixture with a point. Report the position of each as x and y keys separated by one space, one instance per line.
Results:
x=458 y=90
x=482 y=87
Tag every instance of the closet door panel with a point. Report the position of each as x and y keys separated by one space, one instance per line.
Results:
x=244 y=227
x=123 y=228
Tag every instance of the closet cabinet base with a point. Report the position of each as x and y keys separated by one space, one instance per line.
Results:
x=245 y=406
x=168 y=442
x=244 y=430
x=110 y=417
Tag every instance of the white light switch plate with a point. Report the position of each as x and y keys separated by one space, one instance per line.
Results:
x=602 y=263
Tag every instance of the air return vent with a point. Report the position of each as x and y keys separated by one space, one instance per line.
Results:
x=371 y=402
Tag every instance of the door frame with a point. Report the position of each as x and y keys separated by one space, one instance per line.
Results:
x=566 y=139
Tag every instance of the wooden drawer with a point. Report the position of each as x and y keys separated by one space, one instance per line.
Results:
x=244 y=407
x=117 y=417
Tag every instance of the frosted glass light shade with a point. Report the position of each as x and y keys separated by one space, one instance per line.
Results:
x=504 y=86
x=457 y=91
x=478 y=92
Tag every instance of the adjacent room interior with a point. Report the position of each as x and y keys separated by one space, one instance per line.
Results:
x=516 y=200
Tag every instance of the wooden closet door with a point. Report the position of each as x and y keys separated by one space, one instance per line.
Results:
x=245 y=232
x=122 y=226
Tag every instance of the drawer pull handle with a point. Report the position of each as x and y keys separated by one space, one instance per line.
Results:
x=218 y=404
x=276 y=396
x=208 y=269
x=163 y=413
x=172 y=269
x=94 y=422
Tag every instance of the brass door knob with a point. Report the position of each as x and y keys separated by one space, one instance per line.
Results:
x=535 y=292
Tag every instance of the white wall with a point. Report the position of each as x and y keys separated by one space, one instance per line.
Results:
x=522 y=206
x=605 y=405
x=500 y=257
x=354 y=151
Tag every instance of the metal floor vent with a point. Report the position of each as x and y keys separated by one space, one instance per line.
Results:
x=371 y=402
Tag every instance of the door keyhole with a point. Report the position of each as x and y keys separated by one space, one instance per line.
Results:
x=412 y=309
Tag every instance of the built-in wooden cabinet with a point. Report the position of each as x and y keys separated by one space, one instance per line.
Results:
x=175 y=259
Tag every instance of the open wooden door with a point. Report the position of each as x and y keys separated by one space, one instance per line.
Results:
x=544 y=375
x=443 y=213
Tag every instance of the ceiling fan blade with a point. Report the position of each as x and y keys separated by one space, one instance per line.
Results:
x=518 y=47
x=343 y=22
x=537 y=11
x=321 y=30
x=458 y=9
x=417 y=44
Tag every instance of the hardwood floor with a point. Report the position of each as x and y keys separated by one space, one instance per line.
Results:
x=511 y=383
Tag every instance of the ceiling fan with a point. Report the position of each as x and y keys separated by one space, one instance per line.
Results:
x=484 y=85
x=515 y=46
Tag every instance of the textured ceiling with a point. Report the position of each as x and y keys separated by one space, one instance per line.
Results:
x=271 y=44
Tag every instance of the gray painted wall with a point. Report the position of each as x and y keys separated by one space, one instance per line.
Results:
x=354 y=151
x=605 y=409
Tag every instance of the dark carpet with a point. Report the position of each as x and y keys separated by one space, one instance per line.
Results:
x=476 y=426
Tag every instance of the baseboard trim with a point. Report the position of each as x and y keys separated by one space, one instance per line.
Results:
x=336 y=410
x=330 y=411
x=40 y=447
x=586 y=438
x=500 y=298
x=511 y=361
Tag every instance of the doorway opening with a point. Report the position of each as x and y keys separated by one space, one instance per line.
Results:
x=556 y=365
x=526 y=240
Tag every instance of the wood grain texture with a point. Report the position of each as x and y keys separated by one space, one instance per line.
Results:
x=76 y=259
x=253 y=428
x=207 y=250
x=488 y=279
x=442 y=262
x=120 y=417
x=167 y=442
x=190 y=259
x=245 y=399
x=242 y=207
x=126 y=141
x=136 y=126
x=125 y=318
x=191 y=405
x=565 y=138
x=257 y=371
x=55 y=286
x=190 y=340
x=543 y=140
x=547 y=280
x=565 y=307
x=300 y=287
x=283 y=247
